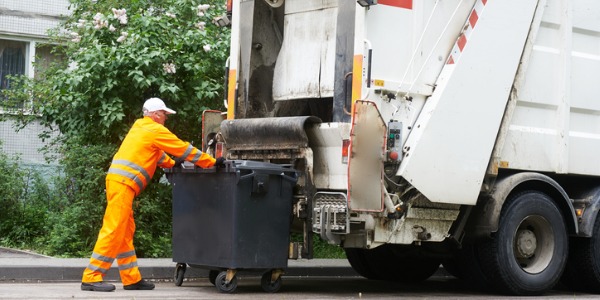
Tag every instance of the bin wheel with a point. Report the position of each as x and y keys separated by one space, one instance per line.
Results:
x=212 y=276
x=179 y=272
x=267 y=285
x=221 y=284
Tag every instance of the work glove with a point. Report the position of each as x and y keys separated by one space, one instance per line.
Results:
x=178 y=163
x=220 y=162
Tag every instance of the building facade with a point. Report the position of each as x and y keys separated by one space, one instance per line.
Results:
x=23 y=41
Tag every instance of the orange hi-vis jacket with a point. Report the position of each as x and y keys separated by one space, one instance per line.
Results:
x=144 y=148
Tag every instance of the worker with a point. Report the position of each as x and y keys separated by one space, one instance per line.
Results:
x=144 y=148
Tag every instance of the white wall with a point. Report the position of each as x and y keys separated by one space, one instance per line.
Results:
x=30 y=18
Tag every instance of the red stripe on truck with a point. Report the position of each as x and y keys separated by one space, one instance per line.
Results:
x=398 y=3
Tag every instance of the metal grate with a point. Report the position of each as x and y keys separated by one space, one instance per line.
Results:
x=330 y=212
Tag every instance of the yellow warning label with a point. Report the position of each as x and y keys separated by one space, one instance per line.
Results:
x=378 y=82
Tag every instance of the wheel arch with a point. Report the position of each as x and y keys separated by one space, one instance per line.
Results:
x=591 y=199
x=489 y=206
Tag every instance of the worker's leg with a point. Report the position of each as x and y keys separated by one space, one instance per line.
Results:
x=126 y=258
x=111 y=236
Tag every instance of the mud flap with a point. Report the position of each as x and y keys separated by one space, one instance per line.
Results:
x=365 y=166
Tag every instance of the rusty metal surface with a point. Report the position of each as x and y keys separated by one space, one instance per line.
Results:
x=267 y=133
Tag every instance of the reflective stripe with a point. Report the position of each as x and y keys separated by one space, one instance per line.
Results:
x=126 y=254
x=129 y=175
x=128 y=266
x=187 y=152
x=133 y=166
x=162 y=159
x=196 y=157
x=96 y=268
x=102 y=258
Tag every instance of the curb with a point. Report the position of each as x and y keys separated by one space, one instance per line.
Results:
x=44 y=269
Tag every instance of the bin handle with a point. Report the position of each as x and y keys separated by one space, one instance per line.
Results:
x=289 y=178
x=251 y=174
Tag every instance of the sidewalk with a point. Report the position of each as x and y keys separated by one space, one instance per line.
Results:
x=21 y=266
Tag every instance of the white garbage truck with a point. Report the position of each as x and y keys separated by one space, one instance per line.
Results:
x=464 y=133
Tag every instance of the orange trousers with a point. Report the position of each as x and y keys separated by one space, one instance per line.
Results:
x=115 y=240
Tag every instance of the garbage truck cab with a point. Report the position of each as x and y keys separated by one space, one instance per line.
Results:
x=458 y=132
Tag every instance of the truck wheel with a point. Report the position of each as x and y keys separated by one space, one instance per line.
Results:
x=528 y=253
x=179 y=272
x=402 y=264
x=465 y=265
x=389 y=262
x=583 y=266
x=357 y=259
x=221 y=284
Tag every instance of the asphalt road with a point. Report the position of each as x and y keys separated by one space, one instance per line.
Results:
x=292 y=288
x=312 y=279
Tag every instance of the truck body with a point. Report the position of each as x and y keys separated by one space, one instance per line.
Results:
x=460 y=132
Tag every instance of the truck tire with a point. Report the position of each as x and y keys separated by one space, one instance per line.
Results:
x=464 y=264
x=389 y=262
x=358 y=261
x=583 y=266
x=528 y=253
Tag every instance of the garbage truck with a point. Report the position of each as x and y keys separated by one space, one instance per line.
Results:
x=461 y=133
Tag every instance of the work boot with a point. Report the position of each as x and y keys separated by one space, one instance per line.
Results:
x=97 y=286
x=140 y=285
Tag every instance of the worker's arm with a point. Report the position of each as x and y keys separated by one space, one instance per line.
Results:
x=170 y=143
x=165 y=161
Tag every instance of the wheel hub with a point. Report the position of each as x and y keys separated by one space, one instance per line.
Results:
x=526 y=243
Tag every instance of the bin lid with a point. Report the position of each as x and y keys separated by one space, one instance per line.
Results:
x=259 y=165
x=233 y=166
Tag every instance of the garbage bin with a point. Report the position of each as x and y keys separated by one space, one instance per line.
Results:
x=233 y=218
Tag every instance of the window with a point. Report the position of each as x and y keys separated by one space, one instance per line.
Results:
x=12 y=61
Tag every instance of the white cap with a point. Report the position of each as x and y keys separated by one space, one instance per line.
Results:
x=155 y=104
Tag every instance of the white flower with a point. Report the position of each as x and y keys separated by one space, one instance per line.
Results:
x=73 y=65
x=112 y=28
x=99 y=21
x=169 y=68
x=120 y=14
x=202 y=8
x=206 y=48
x=168 y=14
x=98 y=17
x=122 y=37
x=201 y=25
x=81 y=23
x=75 y=37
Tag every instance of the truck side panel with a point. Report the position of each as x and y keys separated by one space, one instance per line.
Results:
x=556 y=118
x=448 y=151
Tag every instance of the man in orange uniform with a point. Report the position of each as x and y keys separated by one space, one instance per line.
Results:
x=144 y=148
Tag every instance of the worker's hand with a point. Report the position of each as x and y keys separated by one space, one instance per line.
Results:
x=220 y=162
x=178 y=163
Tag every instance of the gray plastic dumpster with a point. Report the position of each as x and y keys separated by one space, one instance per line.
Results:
x=232 y=218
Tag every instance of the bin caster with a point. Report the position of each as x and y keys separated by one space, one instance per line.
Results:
x=179 y=272
x=271 y=281
x=212 y=276
x=226 y=286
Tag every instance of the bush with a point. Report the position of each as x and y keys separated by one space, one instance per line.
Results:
x=12 y=187
x=25 y=201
